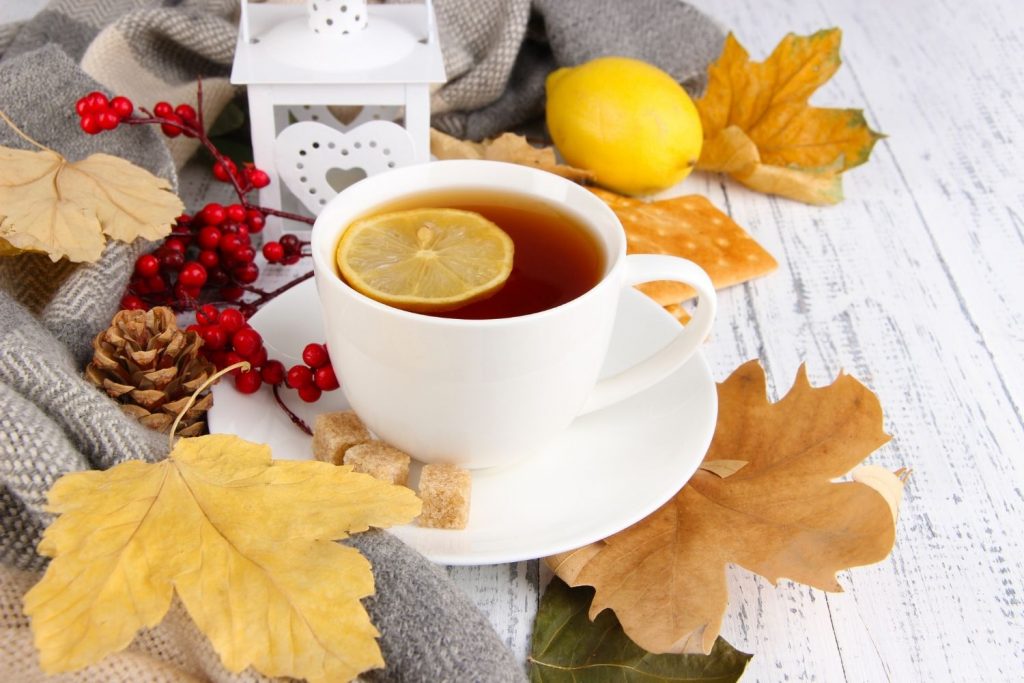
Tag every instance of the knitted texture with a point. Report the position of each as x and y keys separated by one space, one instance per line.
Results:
x=493 y=88
x=53 y=422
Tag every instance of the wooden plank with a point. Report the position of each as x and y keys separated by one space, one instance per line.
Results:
x=873 y=286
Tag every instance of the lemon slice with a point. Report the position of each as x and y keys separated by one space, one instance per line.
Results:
x=425 y=260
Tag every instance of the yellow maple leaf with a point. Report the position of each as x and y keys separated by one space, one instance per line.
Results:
x=247 y=543
x=764 y=499
x=64 y=208
x=760 y=129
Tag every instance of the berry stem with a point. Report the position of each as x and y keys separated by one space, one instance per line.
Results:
x=296 y=420
x=263 y=296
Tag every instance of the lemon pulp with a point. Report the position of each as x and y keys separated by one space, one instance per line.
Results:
x=425 y=260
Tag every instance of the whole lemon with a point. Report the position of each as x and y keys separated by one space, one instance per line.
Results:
x=627 y=121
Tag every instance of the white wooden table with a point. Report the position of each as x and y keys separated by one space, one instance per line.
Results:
x=915 y=285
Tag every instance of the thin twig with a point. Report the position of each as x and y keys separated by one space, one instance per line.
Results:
x=22 y=134
x=246 y=367
x=296 y=420
x=265 y=296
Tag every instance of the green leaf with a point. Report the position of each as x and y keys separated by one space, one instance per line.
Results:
x=567 y=646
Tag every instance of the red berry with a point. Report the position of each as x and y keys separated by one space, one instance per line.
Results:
x=259 y=358
x=236 y=213
x=224 y=170
x=82 y=106
x=209 y=259
x=108 y=120
x=216 y=276
x=174 y=244
x=172 y=128
x=186 y=111
x=291 y=259
x=273 y=252
x=310 y=394
x=156 y=283
x=255 y=220
x=258 y=178
x=232 y=293
x=232 y=320
x=229 y=243
x=233 y=358
x=97 y=102
x=299 y=376
x=90 y=124
x=214 y=337
x=192 y=275
x=122 y=107
x=213 y=214
x=172 y=260
x=315 y=355
x=132 y=303
x=207 y=315
x=209 y=237
x=273 y=372
x=229 y=227
x=246 y=273
x=163 y=109
x=291 y=243
x=147 y=265
x=246 y=341
x=244 y=255
x=248 y=382
x=325 y=378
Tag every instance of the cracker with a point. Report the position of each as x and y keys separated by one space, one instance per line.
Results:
x=379 y=460
x=690 y=227
x=679 y=312
x=445 y=491
x=335 y=433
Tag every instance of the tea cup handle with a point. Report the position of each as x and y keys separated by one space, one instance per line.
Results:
x=647 y=268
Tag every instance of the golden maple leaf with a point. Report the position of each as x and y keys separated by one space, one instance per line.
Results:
x=760 y=129
x=507 y=147
x=64 y=208
x=247 y=544
x=779 y=514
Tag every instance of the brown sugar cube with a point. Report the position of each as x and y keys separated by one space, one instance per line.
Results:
x=335 y=433
x=444 y=490
x=380 y=461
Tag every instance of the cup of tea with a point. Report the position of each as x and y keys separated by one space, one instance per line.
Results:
x=495 y=381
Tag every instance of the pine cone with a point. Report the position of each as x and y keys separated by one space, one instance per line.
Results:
x=152 y=368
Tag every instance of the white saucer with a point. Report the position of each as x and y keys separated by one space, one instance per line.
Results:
x=610 y=469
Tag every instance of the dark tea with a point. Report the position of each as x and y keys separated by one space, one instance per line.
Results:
x=556 y=258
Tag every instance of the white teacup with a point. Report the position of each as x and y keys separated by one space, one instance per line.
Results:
x=481 y=393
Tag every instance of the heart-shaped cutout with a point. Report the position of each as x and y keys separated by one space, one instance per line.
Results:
x=315 y=161
x=340 y=178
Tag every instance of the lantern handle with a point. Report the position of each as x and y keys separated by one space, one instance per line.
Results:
x=244 y=22
x=430 y=21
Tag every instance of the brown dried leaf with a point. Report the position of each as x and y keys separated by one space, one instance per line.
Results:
x=64 y=208
x=780 y=516
x=507 y=147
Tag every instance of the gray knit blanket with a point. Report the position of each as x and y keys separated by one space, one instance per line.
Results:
x=497 y=54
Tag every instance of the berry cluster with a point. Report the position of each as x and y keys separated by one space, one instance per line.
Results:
x=97 y=113
x=229 y=339
x=208 y=256
x=286 y=251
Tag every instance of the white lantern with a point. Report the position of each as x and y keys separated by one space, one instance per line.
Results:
x=374 y=63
